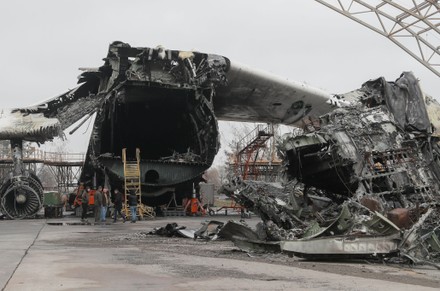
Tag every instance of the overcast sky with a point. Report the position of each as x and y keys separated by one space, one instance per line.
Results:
x=44 y=42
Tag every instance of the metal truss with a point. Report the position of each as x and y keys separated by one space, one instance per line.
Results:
x=66 y=176
x=414 y=25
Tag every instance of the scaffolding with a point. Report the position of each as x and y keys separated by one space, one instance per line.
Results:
x=252 y=160
x=65 y=167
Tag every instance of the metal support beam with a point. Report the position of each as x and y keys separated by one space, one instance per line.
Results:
x=412 y=25
x=67 y=176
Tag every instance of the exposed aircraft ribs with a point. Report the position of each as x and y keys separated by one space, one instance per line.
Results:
x=160 y=101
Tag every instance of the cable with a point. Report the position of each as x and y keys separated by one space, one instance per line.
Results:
x=90 y=121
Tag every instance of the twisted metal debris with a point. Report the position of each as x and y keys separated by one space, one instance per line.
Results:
x=365 y=180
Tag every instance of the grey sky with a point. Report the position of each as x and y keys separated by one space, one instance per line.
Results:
x=45 y=41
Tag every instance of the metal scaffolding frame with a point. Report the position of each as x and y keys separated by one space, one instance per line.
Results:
x=414 y=25
x=250 y=159
x=65 y=167
x=66 y=175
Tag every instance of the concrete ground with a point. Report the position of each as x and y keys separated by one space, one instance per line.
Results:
x=59 y=254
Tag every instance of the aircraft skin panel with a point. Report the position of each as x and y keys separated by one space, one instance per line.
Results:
x=433 y=109
x=34 y=127
x=257 y=96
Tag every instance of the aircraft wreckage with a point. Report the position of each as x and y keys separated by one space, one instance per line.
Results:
x=163 y=102
x=364 y=180
x=368 y=159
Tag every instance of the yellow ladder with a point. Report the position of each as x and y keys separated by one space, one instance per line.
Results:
x=132 y=181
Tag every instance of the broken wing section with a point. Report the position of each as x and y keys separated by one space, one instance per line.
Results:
x=404 y=99
x=412 y=109
x=48 y=119
x=257 y=96
x=32 y=127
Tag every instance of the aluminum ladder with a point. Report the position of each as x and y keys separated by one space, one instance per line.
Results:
x=132 y=182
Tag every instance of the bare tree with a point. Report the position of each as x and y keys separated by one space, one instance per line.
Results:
x=212 y=176
x=47 y=178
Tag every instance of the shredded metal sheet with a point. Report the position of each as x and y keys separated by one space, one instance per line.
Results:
x=31 y=127
x=364 y=179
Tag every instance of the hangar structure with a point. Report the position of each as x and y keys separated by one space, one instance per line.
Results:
x=412 y=25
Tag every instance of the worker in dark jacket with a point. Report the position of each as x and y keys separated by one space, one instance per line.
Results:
x=132 y=201
x=118 y=205
x=85 y=203
x=98 y=203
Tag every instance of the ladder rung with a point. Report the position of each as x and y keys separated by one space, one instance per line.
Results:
x=132 y=173
x=131 y=165
x=132 y=179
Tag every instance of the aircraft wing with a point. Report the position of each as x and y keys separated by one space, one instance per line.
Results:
x=48 y=119
x=33 y=127
x=70 y=106
x=257 y=96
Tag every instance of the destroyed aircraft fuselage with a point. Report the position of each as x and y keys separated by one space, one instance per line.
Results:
x=159 y=101
x=155 y=100
x=364 y=180
x=380 y=149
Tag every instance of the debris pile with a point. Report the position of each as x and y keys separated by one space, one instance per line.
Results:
x=365 y=180
x=322 y=228
x=209 y=230
x=171 y=229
